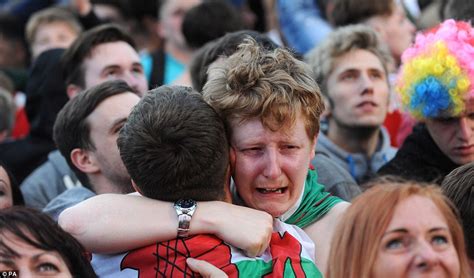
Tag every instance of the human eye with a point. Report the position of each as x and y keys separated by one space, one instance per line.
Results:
x=377 y=74
x=117 y=129
x=47 y=268
x=42 y=41
x=446 y=120
x=289 y=147
x=178 y=13
x=394 y=244
x=398 y=243
x=138 y=70
x=470 y=116
x=63 y=37
x=111 y=72
x=253 y=151
x=439 y=240
x=3 y=187
x=348 y=76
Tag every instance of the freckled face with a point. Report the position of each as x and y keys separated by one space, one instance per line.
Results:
x=270 y=168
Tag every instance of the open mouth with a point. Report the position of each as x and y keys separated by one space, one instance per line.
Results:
x=280 y=190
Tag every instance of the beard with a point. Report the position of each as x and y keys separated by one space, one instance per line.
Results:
x=123 y=183
x=118 y=175
x=357 y=130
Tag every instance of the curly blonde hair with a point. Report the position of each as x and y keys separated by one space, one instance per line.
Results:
x=271 y=85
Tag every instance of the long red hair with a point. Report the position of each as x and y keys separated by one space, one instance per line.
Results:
x=357 y=238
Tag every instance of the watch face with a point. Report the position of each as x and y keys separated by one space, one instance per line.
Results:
x=186 y=203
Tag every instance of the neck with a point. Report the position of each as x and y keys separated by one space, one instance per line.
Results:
x=182 y=54
x=354 y=139
x=392 y=67
x=101 y=185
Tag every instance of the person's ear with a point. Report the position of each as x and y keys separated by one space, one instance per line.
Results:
x=72 y=90
x=327 y=108
x=84 y=160
x=313 y=148
x=228 y=194
x=378 y=24
x=137 y=189
x=3 y=135
x=232 y=158
x=160 y=30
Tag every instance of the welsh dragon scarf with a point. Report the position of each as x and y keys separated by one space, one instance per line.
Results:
x=315 y=204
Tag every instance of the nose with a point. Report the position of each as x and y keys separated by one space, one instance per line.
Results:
x=411 y=27
x=466 y=129
x=406 y=24
x=366 y=84
x=25 y=272
x=133 y=81
x=272 y=165
x=426 y=258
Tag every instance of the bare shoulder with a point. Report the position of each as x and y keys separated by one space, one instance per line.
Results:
x=321 y=233
x=328 y=222
x=333 y=216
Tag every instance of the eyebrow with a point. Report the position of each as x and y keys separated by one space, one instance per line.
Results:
x=405 y=231
x=8 y=261
x=6 y=254
x=436 y=229
x=6 y=257
x=349 y=69
x=114 y=66
x=137 y=64
x=109 y=67
x=399 y=230
x=39 y=255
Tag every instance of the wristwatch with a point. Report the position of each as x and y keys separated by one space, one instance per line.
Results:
x=185 y=209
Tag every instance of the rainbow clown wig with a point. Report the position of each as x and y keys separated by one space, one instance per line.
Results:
x=437 y=72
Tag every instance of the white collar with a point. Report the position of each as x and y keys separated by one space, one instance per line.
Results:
x=292 y=210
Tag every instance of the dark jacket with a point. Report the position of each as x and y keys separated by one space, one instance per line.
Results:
x=48 y=181
x=46 y=95
x=335 y=179
x=419 y=159
x=358 y=165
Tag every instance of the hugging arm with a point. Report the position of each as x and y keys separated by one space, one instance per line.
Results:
x=111 y=223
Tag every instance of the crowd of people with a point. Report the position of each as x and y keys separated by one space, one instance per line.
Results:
x=226 y=138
